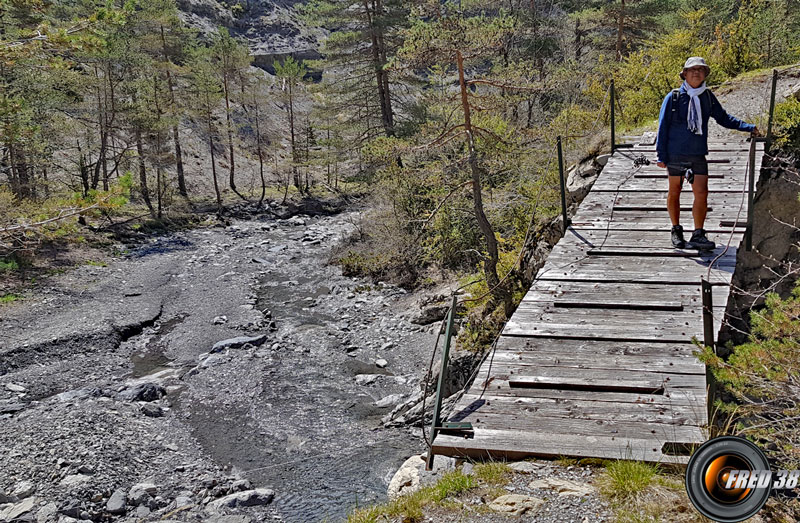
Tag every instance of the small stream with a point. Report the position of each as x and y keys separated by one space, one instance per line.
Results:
x=288 y=414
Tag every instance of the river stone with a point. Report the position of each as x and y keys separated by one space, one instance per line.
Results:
x=381 y=363
x=564 y=487
x=240 y=341
x=366 y=379
x=248 y=498
x=46 y=513
x=229 y=519
x=73 y=480
x=430 y=314
x=152 y=411
x=141 y=493
x=13 y=387
x=516 y=504
x=14 y=511
x=389 y=401
x=116 y=503
x=23 y=489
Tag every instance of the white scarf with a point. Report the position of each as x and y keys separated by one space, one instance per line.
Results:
x=695 y=117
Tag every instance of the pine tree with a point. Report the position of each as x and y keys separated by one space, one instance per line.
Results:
x=230 y=60
x=290 y=74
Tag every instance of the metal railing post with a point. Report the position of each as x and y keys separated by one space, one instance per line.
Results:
x=613 y=122
x=768 y=143
x=751 y=182
x=437 y=407
x=708 y=312
x=563 y=184
x=708 y=337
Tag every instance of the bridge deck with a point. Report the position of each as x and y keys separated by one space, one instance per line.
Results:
x=597 y=361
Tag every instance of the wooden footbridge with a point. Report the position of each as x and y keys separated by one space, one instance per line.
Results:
x=598 y=361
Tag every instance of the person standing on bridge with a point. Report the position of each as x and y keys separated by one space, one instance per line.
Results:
x=682 y=146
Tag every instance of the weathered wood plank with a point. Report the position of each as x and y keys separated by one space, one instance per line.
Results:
x=514 y=444
x=585 y=409
x=648 y=363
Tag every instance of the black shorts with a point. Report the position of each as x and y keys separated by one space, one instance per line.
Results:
x=677 y=164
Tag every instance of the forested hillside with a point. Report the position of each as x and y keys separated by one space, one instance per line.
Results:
x=445 y=113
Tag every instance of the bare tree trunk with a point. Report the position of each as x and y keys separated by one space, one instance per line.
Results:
x=175 y=135
x=143 y=172
x=258 y=145
x=380 y=75
x=290 y=108
x=490 y=261
x=620 y=29
x=232 y=182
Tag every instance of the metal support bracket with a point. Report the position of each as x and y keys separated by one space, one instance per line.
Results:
x=437 y=425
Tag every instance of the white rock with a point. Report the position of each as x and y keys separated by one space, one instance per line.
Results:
x=46 y=513
x=406 y=479
x=15 y=511
x=23 y=489
x=388 y=401
x=116 y=503
x=73 y=480
x=381 y=363
x=13 y=387
x=564 y=487
x=516 y=504
x=366 y=379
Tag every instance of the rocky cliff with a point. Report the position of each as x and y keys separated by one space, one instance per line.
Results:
x=272 y=28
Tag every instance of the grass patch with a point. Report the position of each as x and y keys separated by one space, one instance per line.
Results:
x=627 y=479
x=9 y=298
x=8 y=265
x=493 y=473
x=410 y=508
x=95 y=263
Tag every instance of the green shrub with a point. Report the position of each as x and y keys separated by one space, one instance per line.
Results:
x=787 y=122
x=8 y=265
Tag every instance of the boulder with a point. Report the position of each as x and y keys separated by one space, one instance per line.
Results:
x=247 y=498
x=238 y=342
x=116 y=503
x=141 y=493
x=412 y=474
x=516 y=504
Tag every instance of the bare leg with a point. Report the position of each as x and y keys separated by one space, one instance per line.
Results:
x=700 y=206
x=674 y=199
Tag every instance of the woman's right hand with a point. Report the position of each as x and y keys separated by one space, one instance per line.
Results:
x=662 y=165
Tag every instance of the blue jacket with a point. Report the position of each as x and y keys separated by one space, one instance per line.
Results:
x=674 y=137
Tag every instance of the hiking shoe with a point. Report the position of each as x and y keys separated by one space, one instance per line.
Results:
x=699 y=241
x=677 y=237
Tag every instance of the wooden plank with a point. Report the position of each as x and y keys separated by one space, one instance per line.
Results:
x=600 y=293
x=589 y=348
x=632 y=362
x=559 y=377
x=528 y=421
x=510 y=444
x=691 y=397
x=587 y=409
